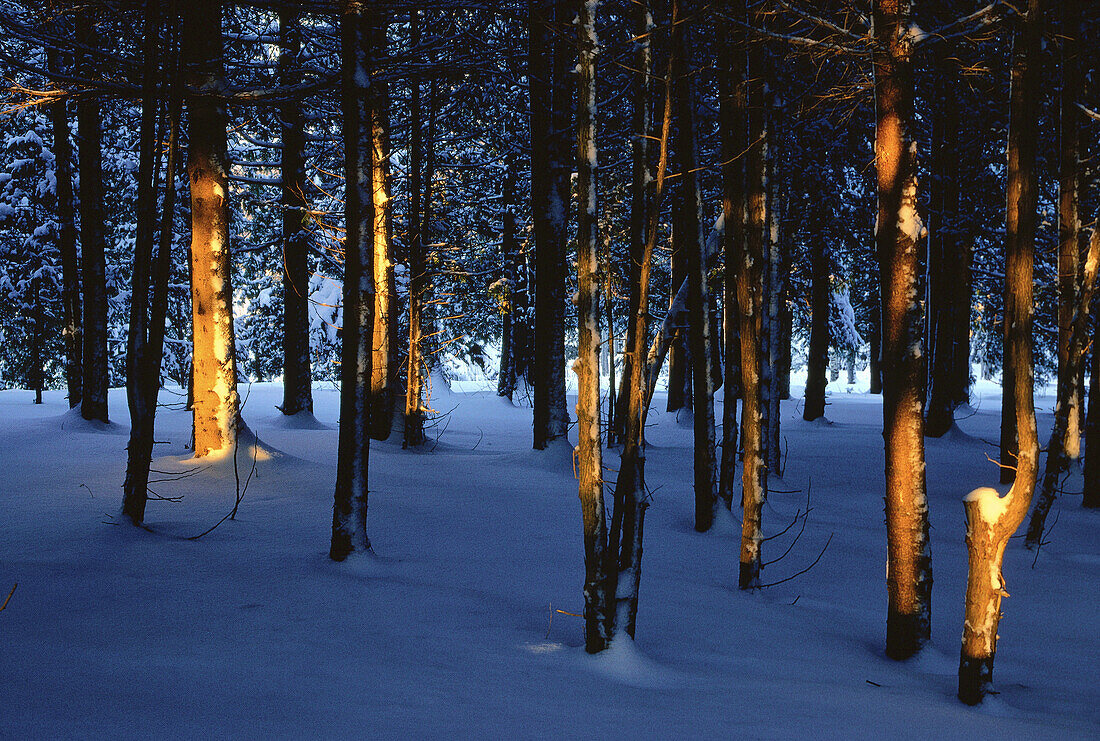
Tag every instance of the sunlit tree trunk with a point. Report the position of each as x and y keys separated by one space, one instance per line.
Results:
x=548 y=64
x=899 y=229
x=384 y=365
x=297 y=381
x=1058 y=454
x=640 y=175
x=217 y=406
x=732 y=113
x=750 y=302
x=349 y=515
x=1069 y=221
x=990 y=519
x=93 y=265
x=599 y=580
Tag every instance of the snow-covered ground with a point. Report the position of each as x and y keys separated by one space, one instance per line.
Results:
x=446 y=631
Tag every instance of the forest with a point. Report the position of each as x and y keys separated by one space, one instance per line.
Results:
x=792 y=289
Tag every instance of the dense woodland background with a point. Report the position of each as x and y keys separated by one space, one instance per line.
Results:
x=728 y=191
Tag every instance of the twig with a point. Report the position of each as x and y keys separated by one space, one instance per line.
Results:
x=8 y=599
x=803 y=571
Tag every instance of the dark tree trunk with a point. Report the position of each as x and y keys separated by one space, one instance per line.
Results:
x=1058 y=453
x=349 y=514
x=548 y=63
x=732 y=116
x=909 y=558
x=297 y=380
x=693 y=249
x=66 y=243
x=93 y=265
x=948 y=315
x=817 y=359
x=1091 y=498
x=144 y=360
x=874 y=360
x=1069 y=222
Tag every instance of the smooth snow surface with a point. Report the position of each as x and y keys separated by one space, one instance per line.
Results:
x=448 y=631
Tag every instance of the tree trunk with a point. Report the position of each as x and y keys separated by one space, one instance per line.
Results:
x=217 y=406
x=1091 y=498
x=148 y=350
x=1058 y=454
x=909 y=560
x=773 y=292
x=693 y=247
x=992 y=519
x=297 y=380
x=1069 y=221
x=66 y=243
x=874 y=360
x=817 y=359
x=732 y=117
x=948 y=317
x=548 y=63
x=349 y=514
x=93 y=265
x=384 y=366
x=639 y=190
x=599 y=585
x=750 y=296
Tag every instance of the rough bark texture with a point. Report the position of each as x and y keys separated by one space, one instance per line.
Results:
x=217 y=406
x=548 y=63
x=1058 y=452
x=349 y=514
x=750 y=296
x=1069 y=222
x=991 y=519
x=599 y=580
x=93 y=265
x=732 y=91
x=909 y=562
x=384 y=365
x=297 y=380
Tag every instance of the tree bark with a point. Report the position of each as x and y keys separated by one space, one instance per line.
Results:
x=297 y=379
x=1058 y=452
x=909 y=560
x=992 y=519
x=1091 y=497
x=93 y=265
x=817 y=359
x=384 y=366
x=66 y=243
x=548 y=63
x=217 y=405
x=948 y=315
x=1069 y=222
x=750 y=299
x=349 y=515
x=732 y=116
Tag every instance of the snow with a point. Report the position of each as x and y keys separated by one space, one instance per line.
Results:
x=449 y=628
